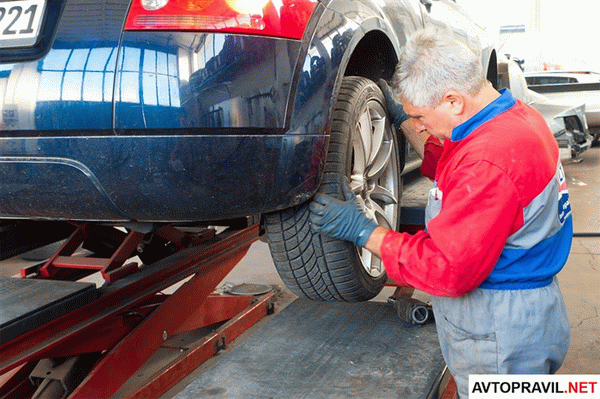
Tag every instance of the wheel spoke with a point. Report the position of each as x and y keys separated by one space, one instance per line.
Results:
x=381 y=161
x=381 y=216
x=374 y=264
x=378 y=135
x=361 y=145
x=357 y=182
x=365 y=130
x=383 y=195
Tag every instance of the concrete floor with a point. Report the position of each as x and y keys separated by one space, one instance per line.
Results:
x=580 y=279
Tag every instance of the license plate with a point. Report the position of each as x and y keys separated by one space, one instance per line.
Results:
x=20 y=22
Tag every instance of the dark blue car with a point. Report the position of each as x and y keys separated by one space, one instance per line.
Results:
x=151 y=112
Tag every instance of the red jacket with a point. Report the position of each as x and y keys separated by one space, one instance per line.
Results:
x=505 y=217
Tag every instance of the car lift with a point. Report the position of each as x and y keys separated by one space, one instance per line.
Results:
x=85 y=342
x=64 y=338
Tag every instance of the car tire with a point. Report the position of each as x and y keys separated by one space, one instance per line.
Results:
x=364 y=150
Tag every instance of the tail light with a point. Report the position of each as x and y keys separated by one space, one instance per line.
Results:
x=279 y=18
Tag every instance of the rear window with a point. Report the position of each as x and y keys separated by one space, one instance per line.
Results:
x=549 y=80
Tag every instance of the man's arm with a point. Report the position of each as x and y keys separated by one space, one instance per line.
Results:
x=464 y=241
x=416 y=139
x=375 y=240
x=402 y=121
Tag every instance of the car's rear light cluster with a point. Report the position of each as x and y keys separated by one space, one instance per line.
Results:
x=279 y=18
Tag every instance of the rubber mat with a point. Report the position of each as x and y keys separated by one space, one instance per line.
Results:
x=26 y=304
x=327 y=350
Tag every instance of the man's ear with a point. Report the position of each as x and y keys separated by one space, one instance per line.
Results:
x=455 y=102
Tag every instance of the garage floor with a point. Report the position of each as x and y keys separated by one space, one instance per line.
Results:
x=579 y=279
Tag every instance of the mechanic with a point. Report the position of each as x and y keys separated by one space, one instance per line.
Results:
x=499 y=225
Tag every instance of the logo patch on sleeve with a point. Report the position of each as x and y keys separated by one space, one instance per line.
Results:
x=564 y=205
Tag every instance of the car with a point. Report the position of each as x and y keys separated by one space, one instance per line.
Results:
x=571 y=88
x=567 y=122
x=139 y=113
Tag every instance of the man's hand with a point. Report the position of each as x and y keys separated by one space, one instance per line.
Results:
x=341 y=219
x=394 y=108
x=416 y=138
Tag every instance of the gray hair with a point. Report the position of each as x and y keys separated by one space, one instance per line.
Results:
x=433 y=63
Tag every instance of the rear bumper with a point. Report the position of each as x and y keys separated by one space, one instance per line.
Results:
x=191 y=132
x=156 y=178
x=179 y=127
x=576 y=142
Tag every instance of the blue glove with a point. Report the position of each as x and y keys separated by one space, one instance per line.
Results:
x=343 y=219
x=394 y=108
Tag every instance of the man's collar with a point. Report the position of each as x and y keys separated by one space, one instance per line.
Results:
x=493 y=109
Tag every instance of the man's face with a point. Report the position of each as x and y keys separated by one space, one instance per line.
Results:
x=438 y=121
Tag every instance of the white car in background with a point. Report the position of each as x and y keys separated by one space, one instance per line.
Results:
x=567 y=121
x=571 y=88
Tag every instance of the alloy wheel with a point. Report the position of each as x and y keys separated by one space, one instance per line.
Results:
x=375 y=176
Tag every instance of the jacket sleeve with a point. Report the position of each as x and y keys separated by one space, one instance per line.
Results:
x=431 y=156
x=480 y=210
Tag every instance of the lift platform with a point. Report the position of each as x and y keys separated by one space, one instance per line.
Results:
x=61 y=337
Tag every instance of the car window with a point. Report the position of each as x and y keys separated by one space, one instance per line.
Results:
x=552 y=80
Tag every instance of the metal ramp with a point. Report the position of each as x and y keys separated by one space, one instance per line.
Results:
x=68 y=339
x=328 y=350
x=26 y=304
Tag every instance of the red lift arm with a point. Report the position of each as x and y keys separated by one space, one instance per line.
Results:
x=130 y=318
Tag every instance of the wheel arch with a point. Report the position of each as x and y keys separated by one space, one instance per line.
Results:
x=374 y=46
x=341 y=48
x=337 y=48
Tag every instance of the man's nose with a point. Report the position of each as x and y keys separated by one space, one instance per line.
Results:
x=419 y=126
